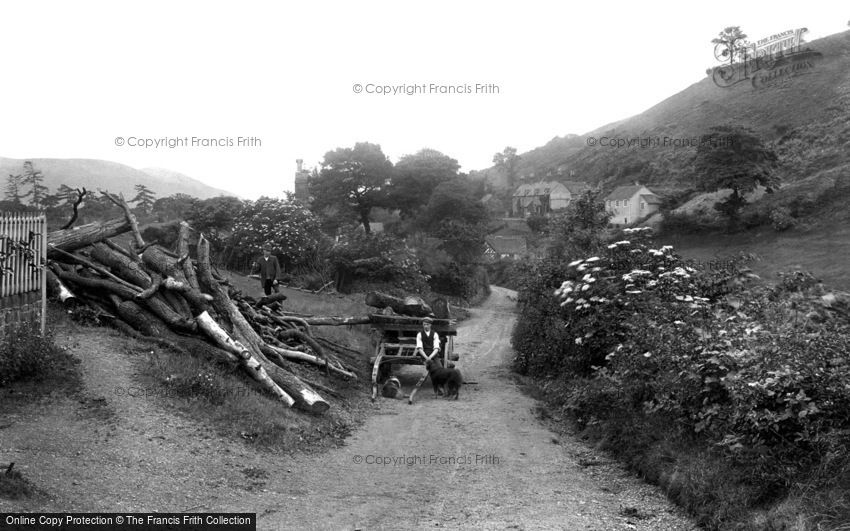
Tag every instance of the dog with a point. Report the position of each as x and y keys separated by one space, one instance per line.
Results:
x=449 y=380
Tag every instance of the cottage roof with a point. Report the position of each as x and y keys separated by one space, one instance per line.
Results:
x=575 y=187
x=624 y=192
x=651 y=199
x=507 y=244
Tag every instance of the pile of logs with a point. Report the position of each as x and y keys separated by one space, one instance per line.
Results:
x=158 y=293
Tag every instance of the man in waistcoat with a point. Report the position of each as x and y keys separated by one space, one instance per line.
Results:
x=427 y=341
x=269 y=270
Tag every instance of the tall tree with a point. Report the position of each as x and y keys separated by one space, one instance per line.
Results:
x=13 y=189
x=415 y=178
x=453 y=200
x=215 y=216
x=732 y=157
x=34 y=179
x=144 y=199
x=731 y=44
x=508 y=161
x=352 y=181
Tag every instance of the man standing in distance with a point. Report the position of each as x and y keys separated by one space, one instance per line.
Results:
x=269 y=270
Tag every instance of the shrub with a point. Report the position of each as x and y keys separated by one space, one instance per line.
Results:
x=26 y=353
x=370 y=258
x=781 y=219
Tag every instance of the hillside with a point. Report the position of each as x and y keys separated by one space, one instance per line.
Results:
x=112 y=176
x=806 y=117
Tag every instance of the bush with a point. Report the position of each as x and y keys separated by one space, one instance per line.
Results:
x=26 y=353
x=781 y=219
x=755 y=377
x=377 y=258
x=673 y=223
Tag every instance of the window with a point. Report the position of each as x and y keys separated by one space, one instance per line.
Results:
x=617 y=202
x=642 y=205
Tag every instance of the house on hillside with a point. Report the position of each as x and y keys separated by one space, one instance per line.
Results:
x=544 y=197
x=510 y=247
x=628 y=204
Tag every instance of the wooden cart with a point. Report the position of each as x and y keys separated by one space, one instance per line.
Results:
x=394 y=338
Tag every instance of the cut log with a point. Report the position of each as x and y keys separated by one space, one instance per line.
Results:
x=253 y=367
x=302 y=356
x=97 y=284
x=336 y=321
x=56 y=288
x=119 y=249
x=183 y=249
x=305 y=397
x=84 y=235
x=121 y=265
x=164 y=311
x=140 y=319
x=413 y=306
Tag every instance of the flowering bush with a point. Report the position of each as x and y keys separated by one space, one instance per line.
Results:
x=291 y=229
x=761 y=373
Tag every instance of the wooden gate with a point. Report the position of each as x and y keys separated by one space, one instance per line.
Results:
x=23 y=254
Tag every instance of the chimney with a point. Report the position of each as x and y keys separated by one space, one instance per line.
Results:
x=299 y=162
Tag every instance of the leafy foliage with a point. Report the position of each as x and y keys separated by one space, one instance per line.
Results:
x=286 y=225
x=734 y=158
x=415 y=178
x=378 y=258
x=757 y=374
x=352 y=181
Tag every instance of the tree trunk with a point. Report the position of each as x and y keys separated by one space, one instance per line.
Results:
x=413 y=306
x=305 y=397
x=254 y=368
x=121 y=265
x=84 y=235
x=336 y=321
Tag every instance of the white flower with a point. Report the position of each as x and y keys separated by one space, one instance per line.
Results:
x=578 y=341
x=585 y=287
x=573 y=264
x=678 y=322
x=647 y=355
x=592 y=259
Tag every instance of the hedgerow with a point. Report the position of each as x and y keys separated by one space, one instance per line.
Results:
x=756 y=375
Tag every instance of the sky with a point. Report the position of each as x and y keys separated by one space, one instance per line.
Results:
x=106 y=80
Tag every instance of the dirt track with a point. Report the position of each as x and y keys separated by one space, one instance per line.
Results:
x=482 y=462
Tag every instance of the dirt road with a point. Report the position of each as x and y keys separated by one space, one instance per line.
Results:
x=482 y=462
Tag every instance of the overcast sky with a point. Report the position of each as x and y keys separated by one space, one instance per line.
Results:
x=79 y=74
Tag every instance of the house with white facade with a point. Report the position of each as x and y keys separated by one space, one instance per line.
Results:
x=628 y=204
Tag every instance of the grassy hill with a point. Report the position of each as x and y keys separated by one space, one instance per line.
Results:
x=112 y=176
x=806 y=117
